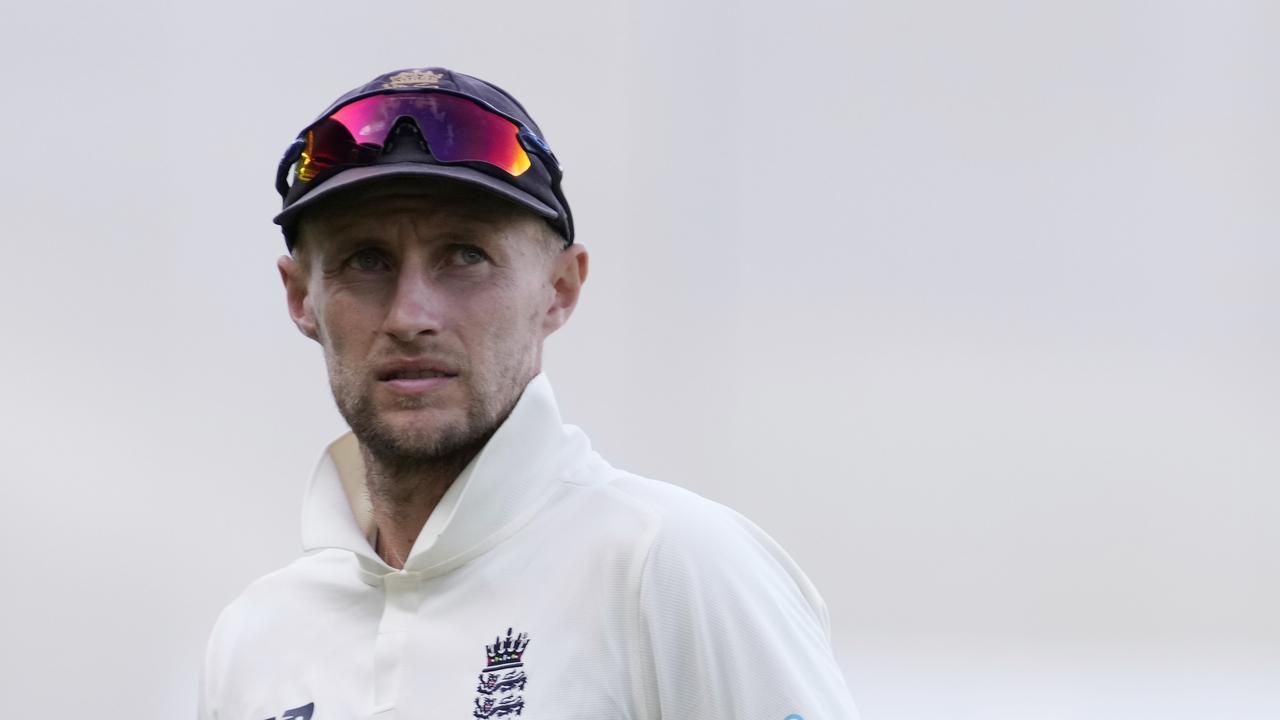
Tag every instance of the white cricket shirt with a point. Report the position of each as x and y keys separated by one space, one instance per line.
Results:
x=546 y=585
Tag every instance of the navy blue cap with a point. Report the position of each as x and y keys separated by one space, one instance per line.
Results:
x=537 y=189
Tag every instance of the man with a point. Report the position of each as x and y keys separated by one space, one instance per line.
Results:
x=467 y=554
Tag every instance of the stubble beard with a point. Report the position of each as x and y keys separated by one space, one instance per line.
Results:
x=403 y=454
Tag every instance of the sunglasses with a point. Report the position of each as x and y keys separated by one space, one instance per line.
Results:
x=456 y=129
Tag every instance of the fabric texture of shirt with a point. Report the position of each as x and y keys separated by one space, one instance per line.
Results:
x=546 y=584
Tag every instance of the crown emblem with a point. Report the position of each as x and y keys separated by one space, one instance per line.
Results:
x=413 y=78
x=503 y=679
x=506 y=652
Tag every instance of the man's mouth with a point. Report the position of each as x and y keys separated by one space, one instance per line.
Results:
x=414 y=377
x=415 y=374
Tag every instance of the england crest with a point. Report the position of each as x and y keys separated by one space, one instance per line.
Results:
x=502 y=679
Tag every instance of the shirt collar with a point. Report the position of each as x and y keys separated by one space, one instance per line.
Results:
x=494 y=495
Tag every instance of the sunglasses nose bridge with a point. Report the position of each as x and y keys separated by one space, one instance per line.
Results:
x=405 y=138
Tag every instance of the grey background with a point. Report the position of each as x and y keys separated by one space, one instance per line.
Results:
x=970 y=305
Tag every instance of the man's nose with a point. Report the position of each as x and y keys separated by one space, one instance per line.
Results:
x=416 y=307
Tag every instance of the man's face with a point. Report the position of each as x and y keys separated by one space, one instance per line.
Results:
x=431 y=301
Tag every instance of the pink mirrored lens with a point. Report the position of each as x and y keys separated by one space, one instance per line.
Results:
x=455 y=129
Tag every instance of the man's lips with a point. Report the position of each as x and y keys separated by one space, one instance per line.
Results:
x=415 y=376
x=414 y=370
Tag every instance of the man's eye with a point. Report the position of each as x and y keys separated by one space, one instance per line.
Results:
x=366 y=261
x=470 y=255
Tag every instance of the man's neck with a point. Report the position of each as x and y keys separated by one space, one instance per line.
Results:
x=403 y=497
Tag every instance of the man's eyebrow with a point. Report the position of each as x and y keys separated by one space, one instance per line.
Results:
x=344 y=238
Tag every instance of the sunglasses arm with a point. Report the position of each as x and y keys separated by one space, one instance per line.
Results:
x=291 y=156
x=538 y=146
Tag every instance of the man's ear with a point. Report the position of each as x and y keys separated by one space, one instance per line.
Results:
x=295 y=288
x=568 y=273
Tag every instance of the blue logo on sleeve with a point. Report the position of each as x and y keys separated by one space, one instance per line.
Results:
x=298 y=713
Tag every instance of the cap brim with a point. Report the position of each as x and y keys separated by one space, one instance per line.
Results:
x=362 y=175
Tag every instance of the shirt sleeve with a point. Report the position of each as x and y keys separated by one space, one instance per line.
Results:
x=734 y=630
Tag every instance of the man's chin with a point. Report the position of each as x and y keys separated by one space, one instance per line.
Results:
x=419 y=425
x=421 y=434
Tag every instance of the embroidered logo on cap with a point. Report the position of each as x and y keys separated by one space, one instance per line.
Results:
x=502 y=678
x=413 y=78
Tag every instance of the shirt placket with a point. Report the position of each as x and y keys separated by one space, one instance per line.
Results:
x=402 y=597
